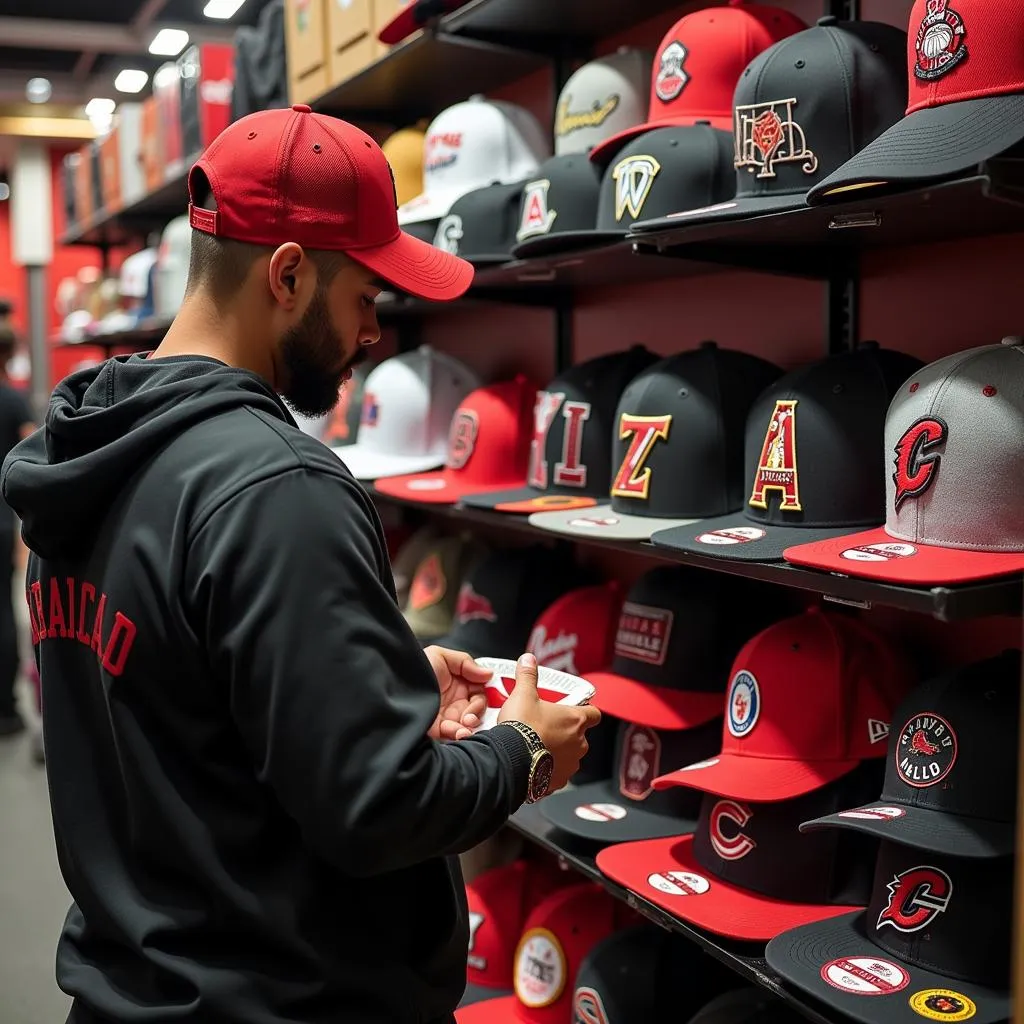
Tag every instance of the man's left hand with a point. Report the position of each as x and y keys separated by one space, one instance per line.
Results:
x=461 y=683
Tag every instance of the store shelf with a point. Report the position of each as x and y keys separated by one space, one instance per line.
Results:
x=425 y=74
x=947 y=604
x=802 y=241
x=742 y=958
x=143 y=336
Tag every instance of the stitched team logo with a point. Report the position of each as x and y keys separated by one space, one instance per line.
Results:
x=940 y=41
x=462 y=438
x=767 y=134
x=569 y=470
x=916 y=898
x=429 y=584
x=672 y=77
x=587 y=1007
x=449 y=234
x=926 y=751
x=743 y=703
x=474 y=959
x=544 y=412
x=633 y=479
x=633 y=177
x=541 y=969
x=725 y=827
x=643 y=633
x=776 y=468
x=370 y=415
x=536 y=218
x=470 y=606
x=568 y=120
x=639 y=764
x=918 y=453
x=556 y=651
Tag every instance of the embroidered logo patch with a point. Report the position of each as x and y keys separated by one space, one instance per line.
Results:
x=536 y=217
x=940 y=41
x=634 y=176
x=776 y=468
x=918 y=454
x=768 y=134
x=672 y=77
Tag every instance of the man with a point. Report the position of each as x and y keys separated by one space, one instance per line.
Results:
x=15 y=424
x=258 y=779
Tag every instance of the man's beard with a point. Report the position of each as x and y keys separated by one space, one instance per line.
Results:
x=310 y=353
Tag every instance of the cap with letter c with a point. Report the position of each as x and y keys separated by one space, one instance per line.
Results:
x=290 y=175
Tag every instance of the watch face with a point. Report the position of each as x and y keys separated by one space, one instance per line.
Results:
x=540 y=780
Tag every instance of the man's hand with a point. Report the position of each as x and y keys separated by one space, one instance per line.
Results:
x=461 y=683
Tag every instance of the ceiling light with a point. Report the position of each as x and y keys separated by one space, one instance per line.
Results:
x=131 y=80
x=38 y=90
x=169 y=42
x=100 y=112
x=222 y=9
x=166 y=76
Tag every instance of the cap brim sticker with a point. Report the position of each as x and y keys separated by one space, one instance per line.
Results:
x=679 y=883
x=735 y=535
x=601 y=812
x=873 y=813
x=865 y=976
x=546 y=503
x=942 y=1004
x=878 y=552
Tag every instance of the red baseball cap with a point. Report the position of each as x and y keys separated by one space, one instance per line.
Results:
x=965 y=65
x=290 y=175
x=810 y=698
x=558 y=936
x=576 y=634
x=413 y=16
x=499 y=902
x=488 y=447
x=698 y=64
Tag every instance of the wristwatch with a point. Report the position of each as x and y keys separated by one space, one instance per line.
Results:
x=542 y=764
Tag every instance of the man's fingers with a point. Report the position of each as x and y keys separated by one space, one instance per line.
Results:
x=591 y=716
x=526 y=671
x=461 y=664
x=454 y=731
x=476 y=705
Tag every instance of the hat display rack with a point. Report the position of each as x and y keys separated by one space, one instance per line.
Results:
x=798 y=176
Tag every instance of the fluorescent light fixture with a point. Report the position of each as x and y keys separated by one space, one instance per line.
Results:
x=38 y=90
x=222 y=9
x=99 y=106
x=131 y=80
x=165 y=76
x=169 y=42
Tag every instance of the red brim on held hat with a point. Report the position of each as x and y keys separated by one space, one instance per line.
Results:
x=657 y=707
x=417 y=267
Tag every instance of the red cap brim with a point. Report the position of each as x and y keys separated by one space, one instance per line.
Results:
x=717 y=906
x=406 y=22
x=657 y=707
x=441 y=488
x=759 y=779
x=418 y=268
x=876 y=555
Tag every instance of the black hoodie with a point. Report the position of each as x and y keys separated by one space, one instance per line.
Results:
x=251 y=820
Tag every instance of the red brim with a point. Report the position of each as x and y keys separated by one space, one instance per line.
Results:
x=417 y=267
x=876 y=555
x=761 y=779
x=710 y=903
x=490 y=1011
x=405 y=23
x=444 y=487
x=604 y=152
x=545 y=503
x=656 y=707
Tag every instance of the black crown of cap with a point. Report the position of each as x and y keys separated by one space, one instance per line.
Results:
x=481 y=223
x=813 y=440
x=561 y=196
x=813 y=100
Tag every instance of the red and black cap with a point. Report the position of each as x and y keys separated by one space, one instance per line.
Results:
x=501 y=598
x=747 y=872
x=625 y=806
x=570 y=453
x=289 y=175
x=966 y=78
x=676 y=638
x=678 y=446
x=414 y=14
x=934 y=943
x=809 y=699
x=481 y=226
x=801 y=109
x=951 y=774
x=827 y=419
x=651 y=176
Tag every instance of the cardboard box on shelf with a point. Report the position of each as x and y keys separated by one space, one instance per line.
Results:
x=152 y=146
x=353 y=38
x=306 y=40
x=133 y=178
x=110 y=170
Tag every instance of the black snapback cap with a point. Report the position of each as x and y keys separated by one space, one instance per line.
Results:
x=570 y=454
x=933 y=944
x=677 y=451
x=624 y=806
x=801 y=109
x=561 y=197
x=827 y=419
x=481 y=225
x=951 y=772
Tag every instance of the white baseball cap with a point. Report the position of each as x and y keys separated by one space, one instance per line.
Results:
x=470 y=145
x=172 y=267
x=134 y=279
x=408 y=405
x=601 y=99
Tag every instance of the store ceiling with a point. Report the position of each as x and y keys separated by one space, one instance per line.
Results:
x=81 y=45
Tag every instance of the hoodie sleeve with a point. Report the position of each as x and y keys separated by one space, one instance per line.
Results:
x=328 y=686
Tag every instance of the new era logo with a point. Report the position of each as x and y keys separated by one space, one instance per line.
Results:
x=877 y=731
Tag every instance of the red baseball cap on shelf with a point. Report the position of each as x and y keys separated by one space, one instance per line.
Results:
x=576 y=634
x=488 y=447
x=698 y=64
x=290 y=175
x=413 y=16
x=810 y=698
x=558 y=936
x=500 y=900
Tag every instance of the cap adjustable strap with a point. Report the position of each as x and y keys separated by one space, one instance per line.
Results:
x=204 y=220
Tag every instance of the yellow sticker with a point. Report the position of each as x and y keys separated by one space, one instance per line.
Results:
x=942 y=1004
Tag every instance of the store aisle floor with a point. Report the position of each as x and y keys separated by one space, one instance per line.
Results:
x=33 y=899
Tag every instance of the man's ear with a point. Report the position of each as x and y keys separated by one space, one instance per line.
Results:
x=289 y=267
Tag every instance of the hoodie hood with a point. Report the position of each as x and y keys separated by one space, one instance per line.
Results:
x=104 y=423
